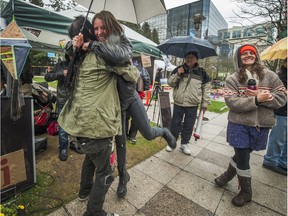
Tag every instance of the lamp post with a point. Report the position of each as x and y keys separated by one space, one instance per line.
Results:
x=197 y=20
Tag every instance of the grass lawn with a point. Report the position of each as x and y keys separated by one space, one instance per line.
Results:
x=41 y=79
x=217 y=107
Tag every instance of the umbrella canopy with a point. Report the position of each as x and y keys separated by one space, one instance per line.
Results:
x=276 y=51
x=180 y=45
x=14 y=49
x=134 y=11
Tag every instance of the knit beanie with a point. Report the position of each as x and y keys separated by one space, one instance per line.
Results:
x=248 y=47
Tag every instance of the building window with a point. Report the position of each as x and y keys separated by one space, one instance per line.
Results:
x=236 y=34
x=226 y=35
x=247 y=33
x=220 y=35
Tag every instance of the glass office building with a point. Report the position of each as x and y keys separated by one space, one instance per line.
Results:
x=179 y=21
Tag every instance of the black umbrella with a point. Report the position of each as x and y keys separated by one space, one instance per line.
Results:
x=180 y=45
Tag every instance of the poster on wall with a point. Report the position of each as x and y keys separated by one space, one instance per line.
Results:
x=146 y=61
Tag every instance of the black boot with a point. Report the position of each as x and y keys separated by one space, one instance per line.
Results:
x=124 y=178
x=170 y=139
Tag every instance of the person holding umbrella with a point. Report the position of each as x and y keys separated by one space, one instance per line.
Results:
x=251 y=93
x=191 y=88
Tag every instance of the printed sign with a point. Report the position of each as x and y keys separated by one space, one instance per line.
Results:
x=146 y=61
x=13 y=168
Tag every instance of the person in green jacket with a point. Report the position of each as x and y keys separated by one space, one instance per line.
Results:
x=92 y=114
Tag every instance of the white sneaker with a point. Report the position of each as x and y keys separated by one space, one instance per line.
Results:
x=168 y=149
x=185 y=149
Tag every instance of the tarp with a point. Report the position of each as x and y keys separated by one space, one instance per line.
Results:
x=44 y=29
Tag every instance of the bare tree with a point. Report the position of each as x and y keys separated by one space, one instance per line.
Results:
x=274 y=11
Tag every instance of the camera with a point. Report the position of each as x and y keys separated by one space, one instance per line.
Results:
x=251 y=84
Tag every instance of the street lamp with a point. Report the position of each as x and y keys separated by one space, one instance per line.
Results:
x=197 y=20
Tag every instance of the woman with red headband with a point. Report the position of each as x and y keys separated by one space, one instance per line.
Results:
x=251 y=93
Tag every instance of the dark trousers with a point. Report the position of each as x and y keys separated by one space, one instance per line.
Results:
x=136 y=111
x=189 y=114
x=132 y=132
x=120 y=141
x=97 y=157
x=242 y=158
x=63 y=136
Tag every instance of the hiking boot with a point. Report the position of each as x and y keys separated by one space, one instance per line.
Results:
x=185 y=149
x=83 y=197
x=63 y=155
x=170 y=139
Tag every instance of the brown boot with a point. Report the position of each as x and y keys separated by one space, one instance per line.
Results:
x=245 y=194
x=227 y=176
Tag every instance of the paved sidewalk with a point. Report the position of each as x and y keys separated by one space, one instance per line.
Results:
x=169 y=184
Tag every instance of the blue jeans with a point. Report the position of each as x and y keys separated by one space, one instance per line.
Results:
x=63 y=136
x=189 y=114
x=96 y=162
x=277 y=144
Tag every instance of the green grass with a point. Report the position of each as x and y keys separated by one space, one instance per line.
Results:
x=217 y=107
x=41 y=79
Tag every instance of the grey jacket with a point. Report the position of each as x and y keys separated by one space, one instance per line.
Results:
x=191 y=88
x=244 y=109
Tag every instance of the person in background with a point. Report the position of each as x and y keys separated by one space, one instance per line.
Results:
x=275 y=158
x=250 y=116
x=60 y=73
x=143 y=85
x=26 y=78
x=158 y=76
x=191 y=88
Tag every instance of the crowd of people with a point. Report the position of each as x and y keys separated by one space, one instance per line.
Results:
x=100 y=90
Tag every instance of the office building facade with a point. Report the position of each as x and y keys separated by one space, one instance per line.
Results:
x=261 y=35
x=179 y=21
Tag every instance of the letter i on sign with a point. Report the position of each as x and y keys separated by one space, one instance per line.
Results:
x=5 y=172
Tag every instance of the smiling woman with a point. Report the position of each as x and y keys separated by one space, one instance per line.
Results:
x=248 y=122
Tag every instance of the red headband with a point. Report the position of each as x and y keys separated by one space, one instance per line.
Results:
x=247 y=47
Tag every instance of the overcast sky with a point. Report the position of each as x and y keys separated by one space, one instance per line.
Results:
x=224 y=6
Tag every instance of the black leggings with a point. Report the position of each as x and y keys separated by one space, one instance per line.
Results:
x=242 y=158
x=136 y=111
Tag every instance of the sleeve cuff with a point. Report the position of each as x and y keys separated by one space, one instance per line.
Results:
x=256 y=101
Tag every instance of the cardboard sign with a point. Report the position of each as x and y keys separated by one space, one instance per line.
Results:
x=165 y=109
x=146 y=61
x=13 y=168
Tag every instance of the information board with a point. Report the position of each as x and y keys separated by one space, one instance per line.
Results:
x=165 y=109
